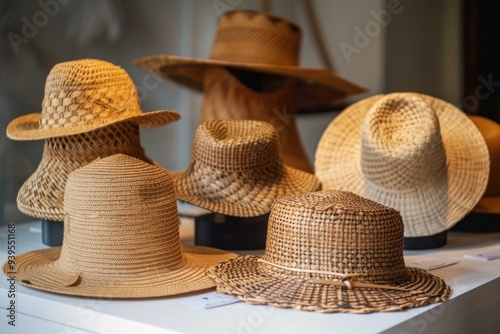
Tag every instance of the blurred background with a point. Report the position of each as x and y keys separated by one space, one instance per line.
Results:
x=446 y=48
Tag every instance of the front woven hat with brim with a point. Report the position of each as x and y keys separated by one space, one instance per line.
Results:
x=121 y=238
x=259 y=42
x=331 y=251
x=415 y=153
x=236 y=169
x=85 y=95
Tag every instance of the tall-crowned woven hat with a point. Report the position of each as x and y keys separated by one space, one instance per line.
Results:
x=259 y=42
x=412 y=152
x=236 y=169
x=85 y=95
x=331 y=251
x=121 y=237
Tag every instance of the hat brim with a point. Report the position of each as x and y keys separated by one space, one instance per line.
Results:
x=40 y=270
x=435 y=207
x=319 y=89
x=231 y=194
x=27 y=127
x=248 y=279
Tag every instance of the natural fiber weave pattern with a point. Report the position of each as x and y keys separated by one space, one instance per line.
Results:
x=236 y=169
x=321 y=243
x=412 y=152
x=84 y=95
x=121 y=237
x=260 y=42
x=42 y=194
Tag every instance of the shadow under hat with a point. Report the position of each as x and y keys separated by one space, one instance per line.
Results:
x=331 y=251
x=121 y=238
x=412 y=152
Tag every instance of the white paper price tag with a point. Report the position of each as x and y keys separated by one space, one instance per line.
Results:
x=431 y=262
x=486 y=255
x=209 y=300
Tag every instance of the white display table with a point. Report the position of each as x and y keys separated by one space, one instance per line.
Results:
x=474 y=306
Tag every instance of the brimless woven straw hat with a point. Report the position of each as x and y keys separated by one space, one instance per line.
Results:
x=415 y=153
x=85 y=95
x=260 y=42
x=331 y=251
x=121 y=237
x=237 y=169
x=490 y=202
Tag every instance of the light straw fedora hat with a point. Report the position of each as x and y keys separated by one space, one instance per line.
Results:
x=331 y=251
x=490 y=130
x=85 y=95
x=121 y=237
x=236 y=169
x=412 y=152
x=259 y=42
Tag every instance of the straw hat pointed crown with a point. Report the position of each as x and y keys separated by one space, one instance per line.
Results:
x=84 y=95
x=237 y=169
x=121 y=237
x=415 y=153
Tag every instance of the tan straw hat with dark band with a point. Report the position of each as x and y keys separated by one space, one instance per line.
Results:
x=85 y=95
x=237 y=169
x=415 y=153
x=42 y=194
x=260 y=42
x=331 y=251
x=121 y=238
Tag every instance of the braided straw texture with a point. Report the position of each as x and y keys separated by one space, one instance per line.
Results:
x=237 y=169
x=326 y=235
x=84 y=95
x=42 y=194
x=260 y=42
x=412 y=152
x=121 y=237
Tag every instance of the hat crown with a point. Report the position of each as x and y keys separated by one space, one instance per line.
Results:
x=87 y=92
x=121 y=217
x=338 y=232
x=402 y=146
x=238 y=146
x=256 y=38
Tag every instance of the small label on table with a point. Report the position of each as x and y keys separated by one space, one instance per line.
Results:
x=210 y=300
x=431 y=262
x=486 y=255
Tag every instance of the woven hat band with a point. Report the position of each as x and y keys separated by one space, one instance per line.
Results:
x=331 y=231
x=402 y=146
x=256 y=38
x=84 y=92
x=237 y=146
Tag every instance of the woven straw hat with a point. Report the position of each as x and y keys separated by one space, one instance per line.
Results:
x=331 y=251
x=121 y=237
x=85 y=95
x=42 y=194
x=237 y=169
x=412 y=152
x=490 y=202
x=257 y=41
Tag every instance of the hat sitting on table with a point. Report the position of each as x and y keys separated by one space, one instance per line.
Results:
x=236 y=169
x=415 y=153
x=262 y=43
x=90 y=109
x=121 y=237
x=331 y=251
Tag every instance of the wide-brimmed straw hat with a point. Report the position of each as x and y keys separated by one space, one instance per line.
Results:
x=412 y=152
x=331 y=251
x=490 y=202
x=85 y=95
x=121 y=238
x=237 y=169
x=258 y=42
